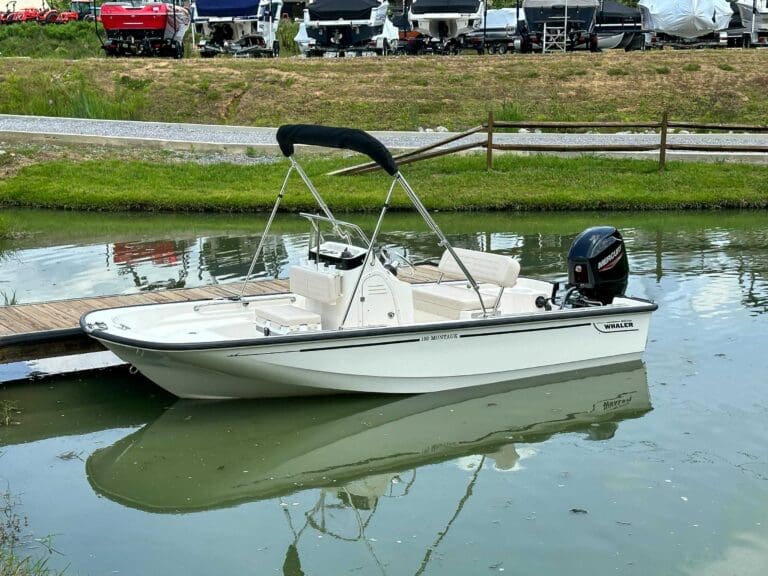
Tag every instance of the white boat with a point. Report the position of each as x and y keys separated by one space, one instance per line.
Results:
x=343 y=443
x=448 y=22
x=346 y=27
x=352 y=324
x=241 y=28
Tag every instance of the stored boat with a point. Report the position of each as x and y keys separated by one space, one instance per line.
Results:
x=144 y=29
x=240 y=28
x=685 y=23
x=447 y=22
x=352 y=324
x=618 y=26
x=347 y=27
x=754 y=19
x=298 y=444
x=553 y=25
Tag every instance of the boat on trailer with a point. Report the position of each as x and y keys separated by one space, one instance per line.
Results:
x=351 y=323
x=552 y=25
x=144 y=29
x=347 y=28
x=239 y=28
x=447 y=22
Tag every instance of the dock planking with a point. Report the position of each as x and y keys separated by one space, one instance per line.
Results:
x=48 y=329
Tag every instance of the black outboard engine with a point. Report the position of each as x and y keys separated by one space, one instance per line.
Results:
x=597 y=265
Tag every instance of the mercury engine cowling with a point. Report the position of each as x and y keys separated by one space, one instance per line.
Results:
x=597 y=264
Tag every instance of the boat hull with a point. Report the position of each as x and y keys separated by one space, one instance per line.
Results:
x=397 y=361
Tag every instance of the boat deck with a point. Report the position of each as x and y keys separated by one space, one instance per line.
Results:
x=48 y=329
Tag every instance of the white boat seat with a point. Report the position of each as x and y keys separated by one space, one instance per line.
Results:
x=285 y=318
x=322 y=285
x=458 y=298
x=483 y=266
x=449 y=300
x=288 y=315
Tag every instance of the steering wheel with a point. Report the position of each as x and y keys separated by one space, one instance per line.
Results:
x=386 y=256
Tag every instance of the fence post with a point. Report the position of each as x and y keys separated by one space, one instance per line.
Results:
x=663 y=143
x=489 y=143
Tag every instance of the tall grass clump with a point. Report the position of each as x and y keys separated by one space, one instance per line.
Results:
x=13 y=539
x=71 y=95
x=286 y=32
x=71 y=41
x=510 y=112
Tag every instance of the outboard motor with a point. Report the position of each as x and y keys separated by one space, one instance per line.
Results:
x=598 y=266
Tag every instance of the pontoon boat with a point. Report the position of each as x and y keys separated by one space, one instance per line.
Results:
x=351 y=323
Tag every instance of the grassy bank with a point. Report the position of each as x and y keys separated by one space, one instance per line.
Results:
x=459 y=183
x=397 y=92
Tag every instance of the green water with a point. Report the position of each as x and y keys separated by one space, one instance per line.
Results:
x=652 y=468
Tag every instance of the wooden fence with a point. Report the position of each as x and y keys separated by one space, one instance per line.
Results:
x=491 y=127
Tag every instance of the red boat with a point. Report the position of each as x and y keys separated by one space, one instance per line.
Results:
x=151 y=29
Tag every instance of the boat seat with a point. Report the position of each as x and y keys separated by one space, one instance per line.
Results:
x=284 y=318
x=321 y=285
x=449 y=300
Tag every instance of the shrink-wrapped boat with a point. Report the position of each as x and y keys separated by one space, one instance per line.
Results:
x=685 y=21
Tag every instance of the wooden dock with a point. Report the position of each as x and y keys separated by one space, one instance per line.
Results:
x=49 y=329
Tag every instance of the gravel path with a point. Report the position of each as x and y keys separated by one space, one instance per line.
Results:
x=119 y=131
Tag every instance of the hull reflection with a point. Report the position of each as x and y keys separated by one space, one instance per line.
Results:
x=198 y=456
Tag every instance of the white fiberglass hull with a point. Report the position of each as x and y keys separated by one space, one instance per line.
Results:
x=400 y=360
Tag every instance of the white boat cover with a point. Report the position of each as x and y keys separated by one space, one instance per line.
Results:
x=685 y=18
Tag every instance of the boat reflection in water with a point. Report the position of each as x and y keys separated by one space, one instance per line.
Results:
x=202 y=455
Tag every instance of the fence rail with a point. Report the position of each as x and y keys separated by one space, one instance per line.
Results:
x=491 y=127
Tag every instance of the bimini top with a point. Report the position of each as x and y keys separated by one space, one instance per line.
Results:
x=342 y=9
x=227 y=8
x=445 y=6
x=328 y=137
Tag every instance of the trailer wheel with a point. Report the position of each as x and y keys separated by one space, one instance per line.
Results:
x=746 y=41
x=502 y=49
x=275 y=49
x=178 y=51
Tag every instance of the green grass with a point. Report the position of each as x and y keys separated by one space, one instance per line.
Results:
x=457 y=183
x=692 y=67
x=71 y=41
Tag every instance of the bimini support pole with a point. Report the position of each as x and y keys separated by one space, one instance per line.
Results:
x=421 y=209
x=369 y=252
x=264 y=234
x=318 y=198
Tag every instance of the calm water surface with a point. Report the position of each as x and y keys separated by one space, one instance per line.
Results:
x=659 y=467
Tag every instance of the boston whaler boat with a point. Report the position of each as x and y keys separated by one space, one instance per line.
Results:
x=352 y=324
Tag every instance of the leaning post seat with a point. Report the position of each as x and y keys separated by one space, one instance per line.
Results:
x=450 y=300
x=322 y=285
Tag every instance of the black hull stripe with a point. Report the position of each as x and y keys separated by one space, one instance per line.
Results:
x=525 y=330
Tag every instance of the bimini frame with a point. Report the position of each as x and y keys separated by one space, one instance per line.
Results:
x=359 y=141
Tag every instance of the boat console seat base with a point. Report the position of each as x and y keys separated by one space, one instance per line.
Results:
x=285 y=318
x=321 y=285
